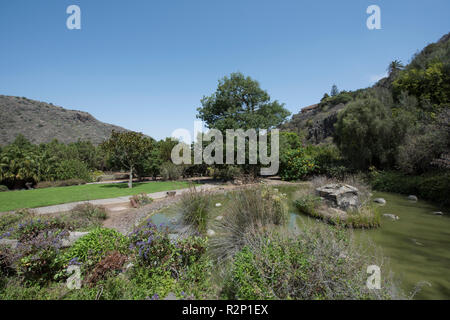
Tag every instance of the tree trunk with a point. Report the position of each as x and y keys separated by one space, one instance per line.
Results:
x=130 y=181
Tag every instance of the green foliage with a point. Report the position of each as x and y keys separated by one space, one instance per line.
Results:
x=431 y=84
x=93 y=247
x=129 y=150
x=434 y=186
x=296 y=164
x=3 y=188
x=308 y=204
x=309 y=266
x=248 y=211
x=240 y=103
x=171 y=171
x=194 y=207
x=73 y=169
x=364 y=134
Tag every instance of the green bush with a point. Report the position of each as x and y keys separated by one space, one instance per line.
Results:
x=3 y=188
x=93 y=247
x=73 y=169
x=296 y=165
x=306 y=266
x=170 y=171
x=434 y=186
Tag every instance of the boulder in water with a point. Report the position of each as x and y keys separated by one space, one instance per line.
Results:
x=340 y=195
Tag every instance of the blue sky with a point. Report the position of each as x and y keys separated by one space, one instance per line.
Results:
x=145 y=65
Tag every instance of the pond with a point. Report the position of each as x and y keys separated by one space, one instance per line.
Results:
x=417 y=245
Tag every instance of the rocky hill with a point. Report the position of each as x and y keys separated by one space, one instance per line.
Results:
x=42 y=122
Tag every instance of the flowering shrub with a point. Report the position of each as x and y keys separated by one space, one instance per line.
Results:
x=35 y=258
x=155 y=249
x=296 y=165
x=153 y=245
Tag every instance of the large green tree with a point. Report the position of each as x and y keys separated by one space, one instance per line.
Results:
x=365 y=133
x=129 y=150
x=240 y=103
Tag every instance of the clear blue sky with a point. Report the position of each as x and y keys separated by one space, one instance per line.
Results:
x=145 y=64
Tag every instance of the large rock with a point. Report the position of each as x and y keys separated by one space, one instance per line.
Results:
x=391 y=216
x=340 y=195
x=379 y=200
x=9 y=242
x=73 y=236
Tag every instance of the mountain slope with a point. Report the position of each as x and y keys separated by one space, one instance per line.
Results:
x=42 y=122
x=316 y=122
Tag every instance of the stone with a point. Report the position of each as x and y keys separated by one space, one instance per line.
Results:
x=211 y=233
x=438 y=213
x=129 y=266
x=171 y=193
x=218 y=204
x=340 y=195
x=171 y=296
x=9 y=242
x=73 y=236
x=379 y=200
x=412 y=198
x=391 y=216
x=219 y=218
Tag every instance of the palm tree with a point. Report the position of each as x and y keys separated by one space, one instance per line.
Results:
x=395 y=66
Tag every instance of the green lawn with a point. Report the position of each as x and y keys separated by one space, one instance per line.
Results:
x=13 y=200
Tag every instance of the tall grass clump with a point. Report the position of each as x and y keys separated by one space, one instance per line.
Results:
x=315 y=263
x=248 y=211
x=194 y=207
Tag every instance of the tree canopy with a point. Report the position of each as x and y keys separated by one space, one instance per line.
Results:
x=240 y=103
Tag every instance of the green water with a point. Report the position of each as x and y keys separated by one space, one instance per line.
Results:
x=417 y=245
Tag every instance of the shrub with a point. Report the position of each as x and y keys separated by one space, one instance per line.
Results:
x=434 y=186
x=248 y=210
x=194 y=207
x=93 y=247
x=3 y=188
x=6 y=261
x=169 y=266
x=35 y=258
x=319 y=263
x=141 y=199
x=106 y=267
x=72 y=169
x=296 y=165
x=89 y=211
x=227 y=172
x=60 y=183
x=170 y=171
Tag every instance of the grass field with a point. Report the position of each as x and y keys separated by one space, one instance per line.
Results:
x=13 y=200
